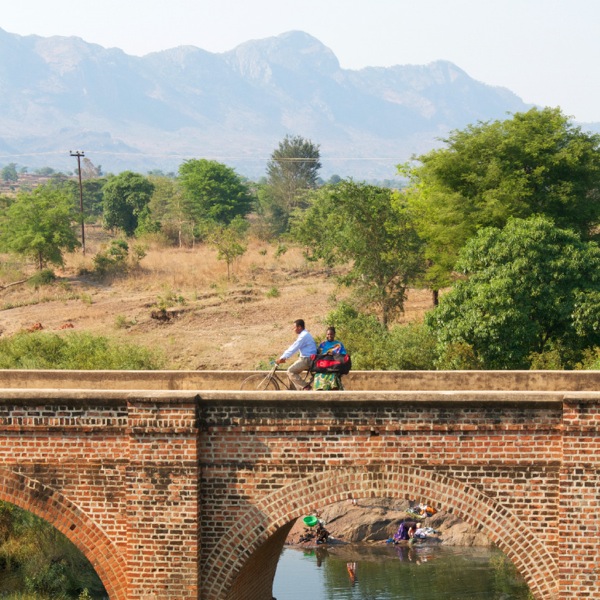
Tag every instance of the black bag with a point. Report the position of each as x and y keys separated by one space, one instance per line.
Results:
x=332 y=363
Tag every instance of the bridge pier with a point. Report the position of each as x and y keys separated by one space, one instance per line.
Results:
x=163 y=537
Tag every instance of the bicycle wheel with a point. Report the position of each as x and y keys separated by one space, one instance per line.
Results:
x=259 y=381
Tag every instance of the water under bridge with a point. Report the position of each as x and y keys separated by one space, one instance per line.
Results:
x=176 y=485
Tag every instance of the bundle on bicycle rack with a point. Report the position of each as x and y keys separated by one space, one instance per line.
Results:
x=340 y=364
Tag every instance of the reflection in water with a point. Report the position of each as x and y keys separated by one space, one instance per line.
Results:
x=351 y=568
x=422 y=572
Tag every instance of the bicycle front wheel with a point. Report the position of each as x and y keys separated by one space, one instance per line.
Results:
x=258 y=381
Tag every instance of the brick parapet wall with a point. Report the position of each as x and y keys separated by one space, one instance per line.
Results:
x=355 y=381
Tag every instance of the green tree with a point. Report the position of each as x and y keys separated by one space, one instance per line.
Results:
x=9 y=172
x=92 y=196
x=214 y=191
x=531 y=289
x=45 y=171
x=38 y=225
x=169 y=207
x=125 y=201
x=370 y=229
x=291 y=172
x=40 y=561
x=533 y=163
x=229 y=241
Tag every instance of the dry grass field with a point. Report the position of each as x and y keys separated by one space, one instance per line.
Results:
x=211 y=323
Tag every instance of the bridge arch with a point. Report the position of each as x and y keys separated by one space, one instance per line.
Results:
x=231 y=568
x=52 y=506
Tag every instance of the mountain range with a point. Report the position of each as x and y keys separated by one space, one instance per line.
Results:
x=152 y=112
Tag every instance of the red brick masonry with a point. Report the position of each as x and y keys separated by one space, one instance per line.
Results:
x=176 y=492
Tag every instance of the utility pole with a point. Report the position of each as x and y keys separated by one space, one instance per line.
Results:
x=79 y=154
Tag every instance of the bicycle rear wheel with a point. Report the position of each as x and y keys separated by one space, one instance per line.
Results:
x=258 y=381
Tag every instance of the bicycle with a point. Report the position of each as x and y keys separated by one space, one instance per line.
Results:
x=271 y=381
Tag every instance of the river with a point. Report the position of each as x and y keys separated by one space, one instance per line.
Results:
x=386 y=572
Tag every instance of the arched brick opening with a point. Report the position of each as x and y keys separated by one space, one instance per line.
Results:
x=229 y=564
x=50 y=505
x=264 y=561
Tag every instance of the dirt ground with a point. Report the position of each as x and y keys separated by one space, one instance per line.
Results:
x=210 y=322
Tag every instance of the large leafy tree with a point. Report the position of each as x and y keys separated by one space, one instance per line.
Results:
x=530 y=289
x=292 y=170
x=9 y=172
x=92 y=195
x=214 y=191
x=169 y=207
x=535 y=163
x=369 y=229
x=125 y=201
x=39 y=225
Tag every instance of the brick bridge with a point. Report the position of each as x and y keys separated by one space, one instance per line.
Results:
x=175 y=485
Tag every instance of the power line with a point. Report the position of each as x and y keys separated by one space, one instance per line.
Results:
x=213 y=157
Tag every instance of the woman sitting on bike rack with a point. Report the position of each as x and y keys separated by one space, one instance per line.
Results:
x=331 y=380
x=306 y=346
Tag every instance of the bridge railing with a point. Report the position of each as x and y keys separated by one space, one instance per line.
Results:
x=355 y=381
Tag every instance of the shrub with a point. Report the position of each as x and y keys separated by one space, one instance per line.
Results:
x=411 y=347
x=590 y=360
x=40 y=561
x=42 y=350
x=43 y=277
x=113 y=258
x=362 y=335
x=168 y=299
x=281 y=250
x=458 y=356
x=137 y=252
x=547 y=361
x=86 y=298
x=122 y=322
x=403 y=347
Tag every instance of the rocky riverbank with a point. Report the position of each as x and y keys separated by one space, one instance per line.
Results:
x=377 y=520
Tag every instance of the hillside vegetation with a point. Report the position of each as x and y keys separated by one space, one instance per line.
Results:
x=209 y=269
x=211 y=323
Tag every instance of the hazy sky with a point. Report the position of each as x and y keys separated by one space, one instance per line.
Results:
x=546 y=51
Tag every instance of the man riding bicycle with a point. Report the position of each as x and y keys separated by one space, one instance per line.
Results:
x=306 y=346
